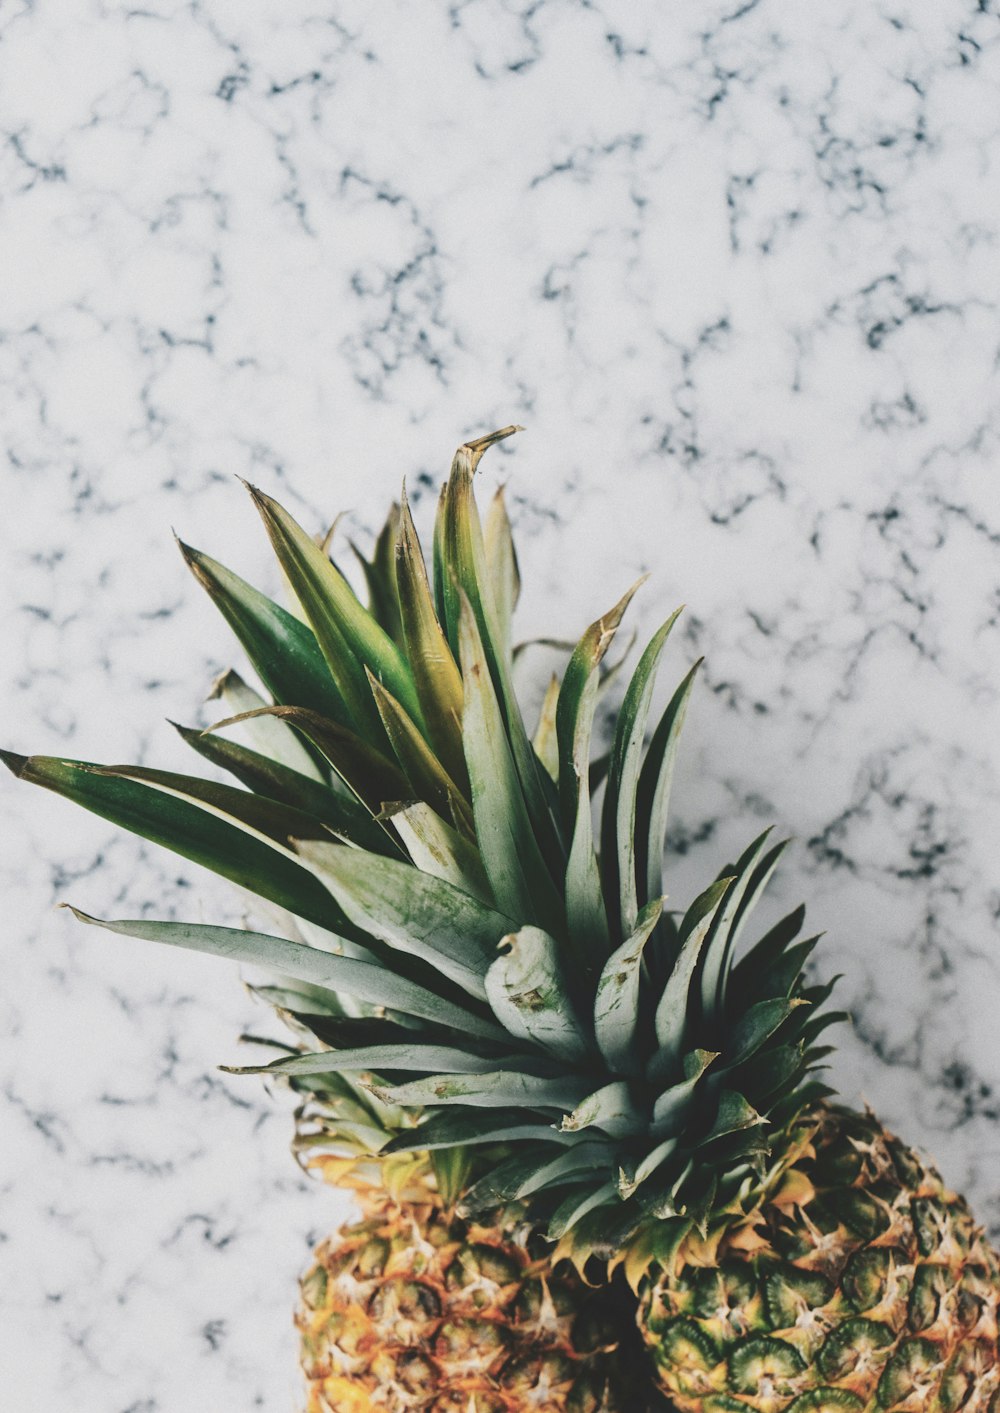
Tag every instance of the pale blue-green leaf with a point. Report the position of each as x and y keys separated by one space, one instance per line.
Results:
x=445 y=1128
x=610 y=1109
x=672 y=1011
x=756 y=1026
x=433 y=1059
x=517 y=872
x=528 y=991
x=466 y=575
x=441 y=851
x=435 y=672
x=653 y=796
x=268 y=734
x=618 y=828
x=576 y=1207
x=545 y=741
x=672 y=1106
x=592 y=1158
x=366 y=980
x=501 y=1182
x=586 y=914
x=755 y=887
x=496 y=1089
x=717 y=949
x=735 y=1114
x=307 y=1000
x=616 y=1007
x=501 y=562
x=412 y=911
x=648 y=1165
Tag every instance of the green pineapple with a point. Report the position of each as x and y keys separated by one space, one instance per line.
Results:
x=508 y=978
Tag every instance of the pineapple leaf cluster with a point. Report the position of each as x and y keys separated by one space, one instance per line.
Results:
x=475 y=946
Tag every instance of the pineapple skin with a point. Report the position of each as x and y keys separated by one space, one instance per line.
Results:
x=413 y=1309
x=863 y=1284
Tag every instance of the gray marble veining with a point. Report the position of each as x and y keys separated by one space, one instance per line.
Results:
x=736 y=268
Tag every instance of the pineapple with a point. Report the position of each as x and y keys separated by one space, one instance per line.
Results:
x=507 y=979
x=413 y=1307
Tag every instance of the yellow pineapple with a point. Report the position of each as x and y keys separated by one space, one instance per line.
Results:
x=413 y=1308
x=471 y=945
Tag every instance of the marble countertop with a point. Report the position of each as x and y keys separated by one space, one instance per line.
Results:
x=735 y=266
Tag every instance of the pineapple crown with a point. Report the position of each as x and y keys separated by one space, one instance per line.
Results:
x=479 y=973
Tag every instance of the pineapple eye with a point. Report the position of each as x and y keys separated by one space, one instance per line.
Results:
x=856 y=1344
x=910 y=1371
x=826 y=1400
x=762 y=1361
x=866 y=1275
x=789 y=1292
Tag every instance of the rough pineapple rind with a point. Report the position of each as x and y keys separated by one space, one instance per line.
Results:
x=412 y=1309
x=874 y=1290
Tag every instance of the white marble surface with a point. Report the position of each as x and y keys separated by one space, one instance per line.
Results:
x=736 y=267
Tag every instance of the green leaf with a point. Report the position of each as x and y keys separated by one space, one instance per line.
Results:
x=427 y=776
x=412 y=911
x=372 y=776
x=380 y=576
x=275 y=739
x=672 y=1011
x=619 y=818
x=365 y=980
x=442 y=573
x=672 y=1107
x=616 y=1007
x=610 y=1109
x=452 y=1167
x=501 y=562
x=734 y=1114
x=771 y=1072
x=653 y=1160
x=750 y=877
x=757 y=1025
x=268 y=819
x=301 y=1000
x=576 y=704
x=498 y=1089
x=194 y=833
x=349 y=637
x=767 y=952
x=432 y=1059
x=460 y=547
x=343 y=1030
x=653 y=796
x=545 y=741
x=594 y=1159
x=269 y=778
x=576 y=1207
x=461 y=570
x=436 y=675
x=445 y=1130
x=284 y=652
x=439 y=850
x=502 y=1182
x=586 y=916
x=528 y=991
x=782 y=976
x=520 y=880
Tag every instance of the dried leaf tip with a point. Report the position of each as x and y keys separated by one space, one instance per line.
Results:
x=14 y=763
